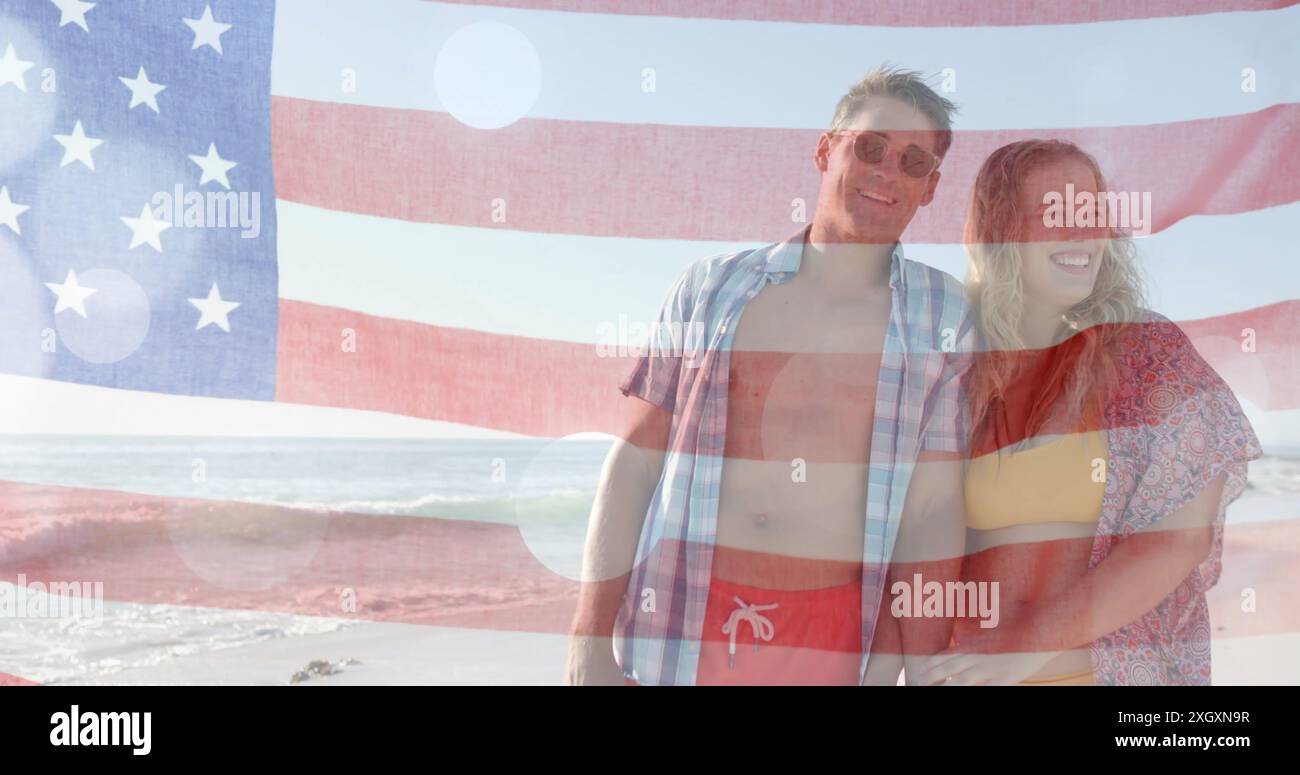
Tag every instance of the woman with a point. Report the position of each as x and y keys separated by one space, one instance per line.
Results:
x=1104 y=450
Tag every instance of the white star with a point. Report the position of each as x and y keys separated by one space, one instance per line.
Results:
x=74 y=12
x=12 y=69
x=77 y=147
x=207 y=30
x=71 y=294
x=214 y=167
x=214 y=309
x=146 y=229
x=10 y=210
x=143 y=91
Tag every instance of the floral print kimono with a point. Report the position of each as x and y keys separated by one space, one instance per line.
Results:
x=1173 y=426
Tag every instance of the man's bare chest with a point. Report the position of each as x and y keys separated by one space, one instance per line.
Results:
x=802 y=380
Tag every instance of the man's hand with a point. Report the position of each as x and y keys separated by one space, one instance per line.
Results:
x=591 y=662
x=968 y=665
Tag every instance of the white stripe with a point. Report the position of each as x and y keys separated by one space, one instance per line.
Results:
x=573 y=288
x=778 y=74
x=550 y=286
x=47 y=407
x=65 y=408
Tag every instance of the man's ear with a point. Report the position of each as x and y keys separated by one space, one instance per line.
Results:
x=821 y=156
x=928 y=196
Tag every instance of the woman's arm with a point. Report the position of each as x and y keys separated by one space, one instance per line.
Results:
x=1139 y=572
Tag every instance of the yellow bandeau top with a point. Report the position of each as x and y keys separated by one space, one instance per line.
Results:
x=1052 y=482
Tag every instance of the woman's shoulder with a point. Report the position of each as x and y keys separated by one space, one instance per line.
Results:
x=1153 y=342
x=1161 y=371
x=1170 y=390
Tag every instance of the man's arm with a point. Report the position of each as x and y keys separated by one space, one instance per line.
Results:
x=932 y=533
x=627 y=484
x=931 y=542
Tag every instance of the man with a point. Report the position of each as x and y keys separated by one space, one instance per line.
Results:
x=744 y=530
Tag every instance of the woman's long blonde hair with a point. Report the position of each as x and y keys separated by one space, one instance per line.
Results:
x=993 y=237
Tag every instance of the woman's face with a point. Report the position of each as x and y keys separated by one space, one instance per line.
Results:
x=1059 y=263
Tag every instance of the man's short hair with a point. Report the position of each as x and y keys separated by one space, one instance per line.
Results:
x=905 y=86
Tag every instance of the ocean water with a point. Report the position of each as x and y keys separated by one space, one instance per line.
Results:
x=447 y=478
x=472 y=478
x=546 y=488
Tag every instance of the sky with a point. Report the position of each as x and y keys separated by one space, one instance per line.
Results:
x=491 y=67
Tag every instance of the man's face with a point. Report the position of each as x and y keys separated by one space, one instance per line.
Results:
x=872 y=203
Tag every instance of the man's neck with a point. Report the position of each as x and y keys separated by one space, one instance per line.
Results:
x=843 y=269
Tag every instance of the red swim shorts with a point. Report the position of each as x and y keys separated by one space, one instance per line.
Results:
x=757 y=636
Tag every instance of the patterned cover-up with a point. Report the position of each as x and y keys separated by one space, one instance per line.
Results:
x=1174 y=425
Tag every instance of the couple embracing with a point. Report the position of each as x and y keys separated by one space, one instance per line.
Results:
x=855 y=428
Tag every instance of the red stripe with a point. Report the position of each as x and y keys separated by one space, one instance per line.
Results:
x=719 y=183
x=419 y=570
x=12 y=680
x=898 y=13
x=534 y=386
x=1264 y=362
x=154 y=550
x=548 y=388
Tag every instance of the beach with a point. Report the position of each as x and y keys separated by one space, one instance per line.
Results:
x=412 y=564
x=367 y=654
x=397 y=654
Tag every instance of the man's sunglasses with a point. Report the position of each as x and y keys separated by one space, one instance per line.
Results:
x=914 y=161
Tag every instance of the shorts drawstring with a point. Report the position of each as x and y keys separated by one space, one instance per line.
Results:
x=761 y=625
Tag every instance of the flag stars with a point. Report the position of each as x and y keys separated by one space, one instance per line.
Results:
x=143 y=91
x=214 y=310
x=207 y=30
x=12 y=69
x=73 y=12
x=71 y=294
x=213 y=166
x=146 y=229
x=10 y=210
x=77 y=147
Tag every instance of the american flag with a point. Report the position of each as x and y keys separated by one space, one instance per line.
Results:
x=414 y=219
